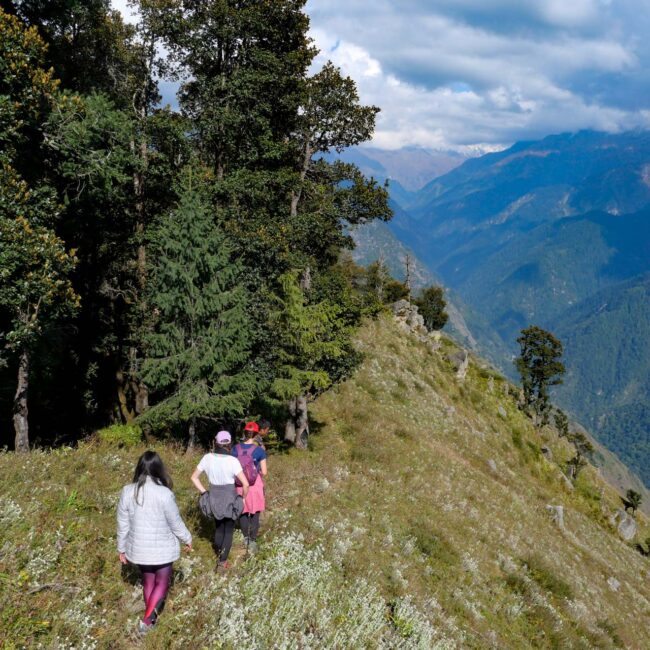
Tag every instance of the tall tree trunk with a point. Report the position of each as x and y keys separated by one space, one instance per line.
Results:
x=302 y=423
x=139 y=179
x=296 y=428
x=120 y=384
x=21 y=424
x=296 y=195
x=191 y=438
x=290 y=424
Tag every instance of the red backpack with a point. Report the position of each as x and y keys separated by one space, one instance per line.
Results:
x=245 y=457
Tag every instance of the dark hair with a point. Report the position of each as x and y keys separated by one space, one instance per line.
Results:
x=150 y=464
x=264 y=424
x=224 y=448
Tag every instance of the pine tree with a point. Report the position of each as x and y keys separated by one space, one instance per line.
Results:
x=307 y=335
x=198 y=361
x=540 y=368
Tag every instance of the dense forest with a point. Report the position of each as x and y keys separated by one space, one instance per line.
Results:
x=173 y=268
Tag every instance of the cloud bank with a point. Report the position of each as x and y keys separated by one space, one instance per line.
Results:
x=459 y=73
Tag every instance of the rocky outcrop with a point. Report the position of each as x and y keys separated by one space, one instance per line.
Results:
x=460 y=361
x=625 y=524
x=557 y=514
x=408 y=318
x=406 y=314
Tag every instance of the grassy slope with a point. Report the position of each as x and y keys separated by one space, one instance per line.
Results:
x=392 y=531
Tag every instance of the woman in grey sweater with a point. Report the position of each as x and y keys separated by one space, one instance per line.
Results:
x=149 y=526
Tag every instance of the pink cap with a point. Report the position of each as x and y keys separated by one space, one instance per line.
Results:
x=223 y=437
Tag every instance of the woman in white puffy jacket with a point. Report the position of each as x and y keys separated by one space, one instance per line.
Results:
x=149 y=526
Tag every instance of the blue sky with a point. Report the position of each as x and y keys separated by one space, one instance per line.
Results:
x=484 y=73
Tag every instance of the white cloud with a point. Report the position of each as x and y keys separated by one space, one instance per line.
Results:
x=455 y=73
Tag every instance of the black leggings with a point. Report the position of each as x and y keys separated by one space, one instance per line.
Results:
x=223 y=537
x=250 y=525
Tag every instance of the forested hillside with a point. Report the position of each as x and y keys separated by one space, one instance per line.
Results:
x=553 y=233
x=169 y=269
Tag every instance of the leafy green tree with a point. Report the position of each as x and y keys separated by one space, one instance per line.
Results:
x=395 y=290
x=34 y=281
x=34 y=263
x=561 y=423
x=377 y=277
x=308 y=335
x=540 y=367
x=632 y=500
x=431 y=305
x=584 y=448
x=199 y=352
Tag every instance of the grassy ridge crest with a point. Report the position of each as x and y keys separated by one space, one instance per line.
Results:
x=392 y=531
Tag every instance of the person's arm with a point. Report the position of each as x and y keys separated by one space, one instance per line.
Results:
x=244 y=482
x=175 y=521
x=197 y=481
x=263 y=471
x=122 y=526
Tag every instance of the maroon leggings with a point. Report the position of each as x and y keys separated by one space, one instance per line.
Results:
x=155 y=585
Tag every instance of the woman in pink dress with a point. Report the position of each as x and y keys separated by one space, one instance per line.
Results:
x=253 y=459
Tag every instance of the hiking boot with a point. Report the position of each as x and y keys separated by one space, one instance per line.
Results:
x=252 y=547
x=246 y=542
x=222 y=566
x=143 y=627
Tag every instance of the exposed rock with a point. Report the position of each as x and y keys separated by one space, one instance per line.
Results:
x=322 y=485
x=557 y=513
x=613 y=583
x=625 y=524
x=451 y=410
x=460 y=361
x=407 y=316
x=493 y=466
x=546 y=452
x=567 y=481
x=490 y=385
x=502 y=412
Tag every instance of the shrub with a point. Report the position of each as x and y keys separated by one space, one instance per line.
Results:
x=545 y=578
x=122 y=435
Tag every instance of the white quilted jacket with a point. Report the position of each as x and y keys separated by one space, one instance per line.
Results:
x=148 y=531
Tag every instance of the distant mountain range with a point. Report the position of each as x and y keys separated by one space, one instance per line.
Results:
x=556 y=233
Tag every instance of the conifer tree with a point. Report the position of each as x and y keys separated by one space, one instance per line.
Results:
x=540 y=368
x=307 y=336
x=198 y=361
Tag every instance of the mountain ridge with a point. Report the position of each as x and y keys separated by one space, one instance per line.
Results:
x=524 y=235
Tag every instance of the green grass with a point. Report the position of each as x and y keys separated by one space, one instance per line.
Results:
x=391 y=531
